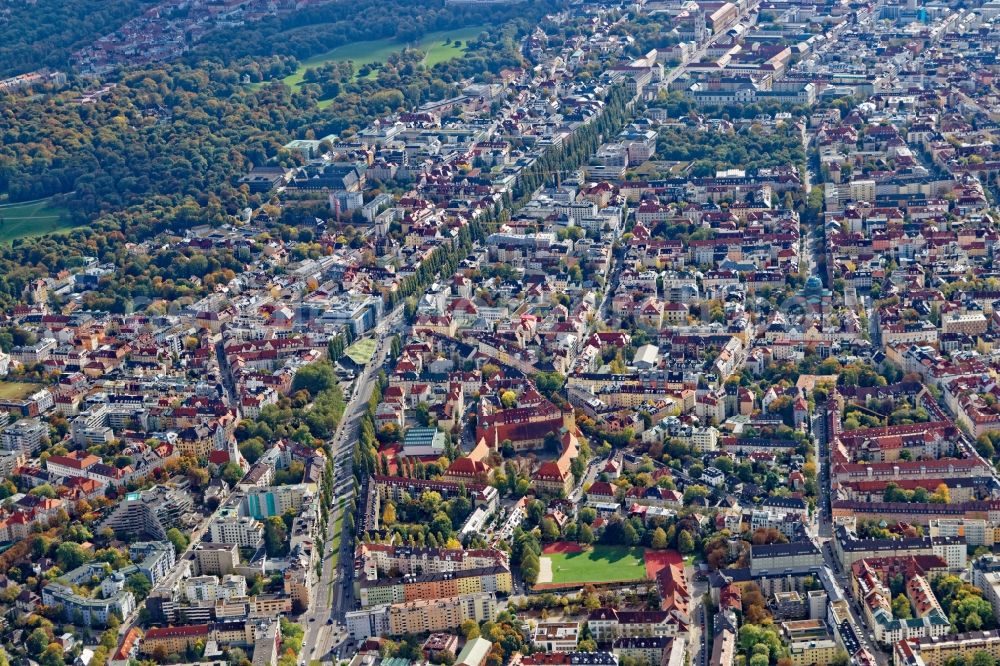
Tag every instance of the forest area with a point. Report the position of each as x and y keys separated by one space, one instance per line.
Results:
x=164 y=150
x=45 y=33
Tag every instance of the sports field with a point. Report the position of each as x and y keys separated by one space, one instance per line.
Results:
x=17 y=390
x=32 y=218
x=597 y=564
x=361 y=351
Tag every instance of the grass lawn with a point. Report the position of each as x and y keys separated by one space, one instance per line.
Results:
x=32 y=218
x=439 y=46
x=361 y=351
x=338 y=533
x=16 y=390
x=601 y=564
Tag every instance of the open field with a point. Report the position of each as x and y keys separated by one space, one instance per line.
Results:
x=361 y=351
x=599 y=564
x=16 y=390
x=439 y=47
x=32 y=218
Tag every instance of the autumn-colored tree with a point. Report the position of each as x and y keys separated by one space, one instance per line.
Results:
x=754 y=605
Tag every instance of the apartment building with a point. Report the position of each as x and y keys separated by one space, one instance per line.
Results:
x=150 y=512
x=420 y=617
x=921 y=597
x=25 y=435
x=975 y=531
x=809 y=652
x=210 y=588
x=155 y=558
x=375 y=559
x=172 y=640
x=90 y=611
x=987 y=579
x=263 y=502
x=263 y=634
x=218 y=559
x=780 y=556
x=435 y=586
x=608 y=624
x=651 y=650
x=426 y=615
x=940 y=650
x=244 y=531
x=849 y=549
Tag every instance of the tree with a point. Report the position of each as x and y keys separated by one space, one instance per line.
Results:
x=52 y=656
x=469 y=629
x=754 y=605
x=549 y=383
x=550 y=531
x=981 y=658
x=445 y=657
x=659 y=541
x=901 y=608
x=314 y=378
x=198 y=476
x=694 y=492
x=423 y=414
x=178 y=539
x=685 y=542
x=139 y=584
x=969 y=611
x=585 y=534
x=45 y=490
x=389 y=514
x=529 y=566
x=753 y=634
x=37 y=641
x=508 y=399
x=231 y=473
x=724 y=464
x=70 y=555
x=629 y=535
x=237 y=657
x=441 y=524
x=275 y=534
x=984 y=445
x=941 y=494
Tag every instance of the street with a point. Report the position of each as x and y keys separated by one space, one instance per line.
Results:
x=326 y=635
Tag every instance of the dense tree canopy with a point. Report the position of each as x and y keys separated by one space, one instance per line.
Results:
x=44 y=33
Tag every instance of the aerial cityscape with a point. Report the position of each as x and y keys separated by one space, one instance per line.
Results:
x=499 y=333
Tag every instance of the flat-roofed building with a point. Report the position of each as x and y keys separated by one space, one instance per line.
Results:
x=556 y=636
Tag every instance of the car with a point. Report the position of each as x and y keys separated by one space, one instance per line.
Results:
x=312 y=619
x=329 y=621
